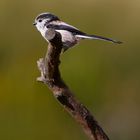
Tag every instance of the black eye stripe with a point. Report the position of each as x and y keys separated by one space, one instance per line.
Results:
x=47 y=15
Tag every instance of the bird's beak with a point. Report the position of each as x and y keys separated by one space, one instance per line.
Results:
x=34 y=23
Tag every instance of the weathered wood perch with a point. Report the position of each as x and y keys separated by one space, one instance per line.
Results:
x=50 y=75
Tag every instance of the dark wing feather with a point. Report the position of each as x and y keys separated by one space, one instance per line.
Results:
x=74 y=31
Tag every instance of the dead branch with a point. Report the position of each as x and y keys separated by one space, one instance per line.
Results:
x=50 y=75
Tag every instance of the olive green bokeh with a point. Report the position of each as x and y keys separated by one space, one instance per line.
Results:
x=104 y=76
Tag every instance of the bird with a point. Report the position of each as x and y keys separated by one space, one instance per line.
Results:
x=70 y=35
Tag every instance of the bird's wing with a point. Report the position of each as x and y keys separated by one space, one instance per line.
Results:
x=80 y=34
x=66 y=27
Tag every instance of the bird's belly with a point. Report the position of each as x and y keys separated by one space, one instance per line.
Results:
x=67 y=38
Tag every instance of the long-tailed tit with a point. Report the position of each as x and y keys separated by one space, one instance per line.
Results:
x=70 y=35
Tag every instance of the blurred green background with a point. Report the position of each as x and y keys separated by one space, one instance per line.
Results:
x=104 y=76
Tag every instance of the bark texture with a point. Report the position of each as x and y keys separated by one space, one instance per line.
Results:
x=50 y=75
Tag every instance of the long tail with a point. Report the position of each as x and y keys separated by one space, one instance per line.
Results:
x=98 y=37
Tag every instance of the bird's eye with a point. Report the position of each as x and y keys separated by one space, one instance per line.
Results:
x=40 y=20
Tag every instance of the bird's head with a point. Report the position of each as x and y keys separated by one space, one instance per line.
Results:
x=43 y=19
